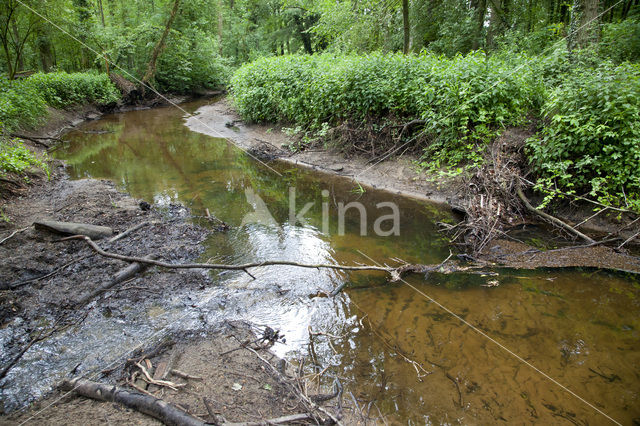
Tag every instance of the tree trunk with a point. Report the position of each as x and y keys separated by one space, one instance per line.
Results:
x=220 y=26
x=584 y=27
x=151 y=68
x=406 y=26
x=101 y=12
x=480 y=12
x=19 y=60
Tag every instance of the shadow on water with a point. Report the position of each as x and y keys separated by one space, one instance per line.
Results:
x=581 y=328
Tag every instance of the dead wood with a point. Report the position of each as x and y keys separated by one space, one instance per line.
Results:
x=127 y=232
x=129 y=91
x=120 y=276
x=18 y=284
x=70 y=228
x=552 y=219
x=146 y=404
x=295 y=390
x=37 y=140
x=41 y=336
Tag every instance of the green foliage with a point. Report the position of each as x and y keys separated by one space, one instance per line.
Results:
x=463 y=100
x=23 y=103
x=591 y=140
x=16 y=158
x=621 y=41
x=186 y=66
x=61 y=90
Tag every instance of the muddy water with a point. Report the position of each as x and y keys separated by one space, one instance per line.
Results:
x=398 y=353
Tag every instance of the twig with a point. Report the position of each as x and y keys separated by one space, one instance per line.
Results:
x=300 y=395
x=127 y=232
x=550 y=218
x=627 y=240
x=55 y=271
x=13 y=234
x=185 y=375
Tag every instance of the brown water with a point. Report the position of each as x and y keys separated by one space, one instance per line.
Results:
x=581 y=328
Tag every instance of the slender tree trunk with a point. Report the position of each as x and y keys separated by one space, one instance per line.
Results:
x=220 y=26
x=101 y=12
x=151 y=68
x=19 y=60
x=481 y=10
x=406 y=26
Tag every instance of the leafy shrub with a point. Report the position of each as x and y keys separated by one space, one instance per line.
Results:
x=23 y=103
x=591 y=141
x=16 y=158
x=20 y=105
x=61 y=90
x=463 y=100
x=621 y=42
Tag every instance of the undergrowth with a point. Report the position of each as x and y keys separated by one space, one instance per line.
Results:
x=17 y=159
x=23 y=103
x=588 y=139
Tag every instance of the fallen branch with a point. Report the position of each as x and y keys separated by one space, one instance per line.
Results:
x=37 y=140
x=241 y=267
x=38 y=338
x=627 y=240
x=147 y=404
x=305 y=399
x=293 y=418
x=550 y=218
x=120 y=276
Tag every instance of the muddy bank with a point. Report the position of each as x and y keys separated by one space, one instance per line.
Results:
x=45 y=287
x=225 y=381
x=397 y=175
x=45 y=279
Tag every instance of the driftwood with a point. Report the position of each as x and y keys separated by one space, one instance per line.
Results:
x=37 y=139
x=550 y=218
x=147 y=404
x=70 y=228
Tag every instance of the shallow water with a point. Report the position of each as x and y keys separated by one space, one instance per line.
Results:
x=398 y=353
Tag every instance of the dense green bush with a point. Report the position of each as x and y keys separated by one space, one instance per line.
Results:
x=61 y=90
x=591 y=138
x=16 y=158
x=23 y=103
x=463 y=100
x=186 y=66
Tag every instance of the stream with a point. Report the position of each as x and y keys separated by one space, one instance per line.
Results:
x=397 y=352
